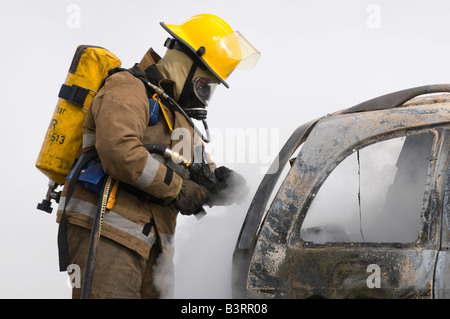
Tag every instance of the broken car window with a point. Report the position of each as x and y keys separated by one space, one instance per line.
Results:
x=374 y=195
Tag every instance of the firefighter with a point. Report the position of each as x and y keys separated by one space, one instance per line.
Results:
x=138 y=231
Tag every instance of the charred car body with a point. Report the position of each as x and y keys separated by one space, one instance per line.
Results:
x=363 y=211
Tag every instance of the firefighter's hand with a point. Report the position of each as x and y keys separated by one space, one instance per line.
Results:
x=230 y=188
x=191 y=198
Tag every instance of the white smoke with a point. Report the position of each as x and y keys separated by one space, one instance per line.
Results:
x=163 y=272
x=203 y=249
x=204 y=253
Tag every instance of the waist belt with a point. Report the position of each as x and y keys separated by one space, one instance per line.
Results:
x=143 y=196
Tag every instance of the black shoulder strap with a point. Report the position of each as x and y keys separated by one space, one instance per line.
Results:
x=111 y=72
x=151 y=75
x=136 y=72
x=141 y=76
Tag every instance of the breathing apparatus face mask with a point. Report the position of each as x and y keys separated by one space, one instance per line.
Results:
x=196 y=95
x=203 y=89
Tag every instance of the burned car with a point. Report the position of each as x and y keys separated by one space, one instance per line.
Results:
x=363 y=211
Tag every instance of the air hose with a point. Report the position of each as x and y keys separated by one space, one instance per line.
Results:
x=161 y=92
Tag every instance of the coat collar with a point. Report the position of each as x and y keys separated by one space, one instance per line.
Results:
x=153 y=74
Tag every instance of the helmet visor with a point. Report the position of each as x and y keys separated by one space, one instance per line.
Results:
x=204 y=89
x=235 y=47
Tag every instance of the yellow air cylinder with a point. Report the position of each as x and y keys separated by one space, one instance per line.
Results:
x=63 y=140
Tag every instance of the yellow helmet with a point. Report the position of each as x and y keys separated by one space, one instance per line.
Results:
x=215 y=44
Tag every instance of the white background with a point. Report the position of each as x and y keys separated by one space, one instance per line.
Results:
x=317 y=57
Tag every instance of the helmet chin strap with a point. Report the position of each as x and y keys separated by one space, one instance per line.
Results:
x=191 y=106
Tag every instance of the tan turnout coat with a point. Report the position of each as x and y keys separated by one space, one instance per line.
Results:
x=117 y=126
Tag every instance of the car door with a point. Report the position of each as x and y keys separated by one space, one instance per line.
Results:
x=285 y=264
x=372 y=230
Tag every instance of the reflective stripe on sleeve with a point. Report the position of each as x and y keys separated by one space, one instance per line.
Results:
x=149 y=173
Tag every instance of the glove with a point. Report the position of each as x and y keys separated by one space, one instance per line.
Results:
x=191 y=198
x=230 y=188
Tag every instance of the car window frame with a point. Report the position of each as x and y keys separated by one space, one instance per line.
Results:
x=424 y=237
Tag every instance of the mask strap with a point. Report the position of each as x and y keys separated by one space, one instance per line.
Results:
x=184 y=96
